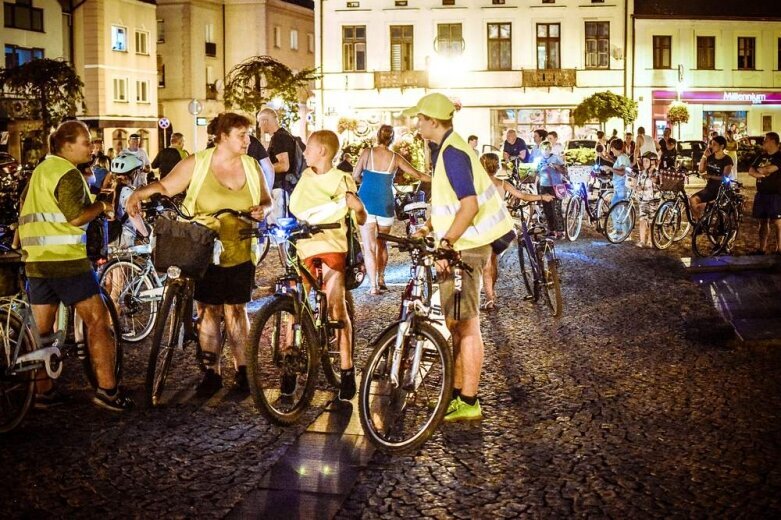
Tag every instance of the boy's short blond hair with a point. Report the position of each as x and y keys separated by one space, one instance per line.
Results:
x=328 y=139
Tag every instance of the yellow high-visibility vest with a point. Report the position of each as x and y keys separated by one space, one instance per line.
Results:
x=203 y=160
x=492 y=220
x=46 y=235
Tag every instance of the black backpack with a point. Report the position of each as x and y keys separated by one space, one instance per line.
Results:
x=291 y=179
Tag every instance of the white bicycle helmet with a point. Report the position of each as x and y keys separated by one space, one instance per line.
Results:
x=125 y=163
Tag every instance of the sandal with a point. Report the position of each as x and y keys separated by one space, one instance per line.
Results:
x=374 y=291
x=488 y=306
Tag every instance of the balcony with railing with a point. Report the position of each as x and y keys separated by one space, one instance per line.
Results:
x=401 y=79
x=549 y=78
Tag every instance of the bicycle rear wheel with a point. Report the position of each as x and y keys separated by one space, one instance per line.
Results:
x=402 y=418
x=167 y=340
x=620 y=222
x=123 y=281
x=89 y=370
x=525 y=266
x=282 y=361
x=710 y=237
x=16 y=390
x=331 y=359
x=549 y=266
x=574 y=218
x=665 y=225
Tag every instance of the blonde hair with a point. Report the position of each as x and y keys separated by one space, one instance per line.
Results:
x=328 y=139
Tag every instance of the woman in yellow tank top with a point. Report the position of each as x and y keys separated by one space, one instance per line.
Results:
x=217 y=178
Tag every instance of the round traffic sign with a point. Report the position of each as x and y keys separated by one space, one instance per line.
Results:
x=195 y=107
x=163 y=123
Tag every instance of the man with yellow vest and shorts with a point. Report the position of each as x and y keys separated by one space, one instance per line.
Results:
x=468 y=215
x=52 y=228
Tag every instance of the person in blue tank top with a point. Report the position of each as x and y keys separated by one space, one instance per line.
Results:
x=375 y=171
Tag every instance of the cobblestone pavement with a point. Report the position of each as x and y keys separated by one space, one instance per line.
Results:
x=630 y=405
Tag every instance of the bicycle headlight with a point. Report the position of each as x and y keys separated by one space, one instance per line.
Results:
x=174 y=272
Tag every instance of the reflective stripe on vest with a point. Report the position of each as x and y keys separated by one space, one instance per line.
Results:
x=203 y=161
x=492 y=220
x=44 y=232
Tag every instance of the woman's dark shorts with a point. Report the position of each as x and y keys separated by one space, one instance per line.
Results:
x=69 y=290
x=767 y=205
x=226 y=285
x=708 y=194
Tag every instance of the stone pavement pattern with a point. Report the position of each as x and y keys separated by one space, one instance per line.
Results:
x=630 y=405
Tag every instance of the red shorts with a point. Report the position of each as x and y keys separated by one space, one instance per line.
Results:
x=334 y=261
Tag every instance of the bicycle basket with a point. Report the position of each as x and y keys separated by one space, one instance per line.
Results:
x=10 y=263
x=189 y=246
x=671 y=181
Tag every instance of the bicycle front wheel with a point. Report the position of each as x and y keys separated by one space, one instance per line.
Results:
x=685 y=226
x=525 y=266
x=710 y=237
x=619 y=222
x=400 y=418
x=127 y=285
x=265 y=244
x=665 y=225
x=549 y=265
x=282 y=361
x=167 y=340
x=574 y=218
x=16 y=389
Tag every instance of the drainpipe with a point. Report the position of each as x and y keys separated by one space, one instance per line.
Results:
x=322 y=73
x=626 y=41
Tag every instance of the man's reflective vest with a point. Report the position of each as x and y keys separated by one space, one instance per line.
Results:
x=492 y=220
x=203 y=161
x=46 y=235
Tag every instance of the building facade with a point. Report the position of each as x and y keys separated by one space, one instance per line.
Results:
x=723 y=60
x=521 y=64
x=199 y=42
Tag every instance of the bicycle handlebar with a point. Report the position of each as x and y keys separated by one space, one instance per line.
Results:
x=426 y=245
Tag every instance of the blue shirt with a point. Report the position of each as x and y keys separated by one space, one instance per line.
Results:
x=458 y=168
x=514 y=150
x=549 y=176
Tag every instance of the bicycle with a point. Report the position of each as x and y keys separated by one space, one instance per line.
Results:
x=539 y=265
x=580 y=202
x=408 y=377
x=291 y=333
x=718 y=228
x=622 y=216
x=24 y=351
x=176 y=325
x=673 y=218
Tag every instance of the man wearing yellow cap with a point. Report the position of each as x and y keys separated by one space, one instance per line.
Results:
x=468 y=215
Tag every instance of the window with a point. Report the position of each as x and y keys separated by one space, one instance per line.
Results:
x=401 y=47
x=142 y=40
x=22 y=15
x=746 y=53
x=120 y=89
x=142 y=91
x=209 y=32
x=548 y=1
x=118 y=38
x=293 y=39
x=15 y=56
x=449 y=39
x=500 y=53
x=548 y=45
x=161 y=31
x=277 y=37
x=778 y=64
x=706 y=52
x=767 y=123
x=160 y=72
x=310 y=43
x=662 y=57
x=597 y=45
x=353 y=48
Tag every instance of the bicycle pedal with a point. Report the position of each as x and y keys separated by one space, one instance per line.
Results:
x=337 y=324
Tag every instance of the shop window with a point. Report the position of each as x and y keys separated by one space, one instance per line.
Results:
x=401 y=47
x=450 y=40
x=500 y=53
x=118 y=38
x=746 y=53
x=706 y=52
x=353 y=48
x=548 y=46
x=15 y=56
x=22 y=15
x=662 y=53
x=526 y=121
x=767 y=123
x=597 y=45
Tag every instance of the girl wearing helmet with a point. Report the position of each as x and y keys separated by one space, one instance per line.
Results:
x=645 y=189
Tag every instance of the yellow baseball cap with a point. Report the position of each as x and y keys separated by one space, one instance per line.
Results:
x=434 y=105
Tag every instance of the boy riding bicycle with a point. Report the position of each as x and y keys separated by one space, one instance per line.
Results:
x=325 y=195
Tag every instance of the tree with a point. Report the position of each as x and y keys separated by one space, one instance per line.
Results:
x=677 y=114
x=603 y=106
x=254 y=82
x=52 y=84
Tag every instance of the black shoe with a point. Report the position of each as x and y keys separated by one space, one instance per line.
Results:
x=51 y=399
x=210 y=384
x=241 y=383
x=116 y=401
x=347 y=389
x=288 y=386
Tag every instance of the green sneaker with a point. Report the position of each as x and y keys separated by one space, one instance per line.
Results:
x=463 y=412
x=432 y=404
